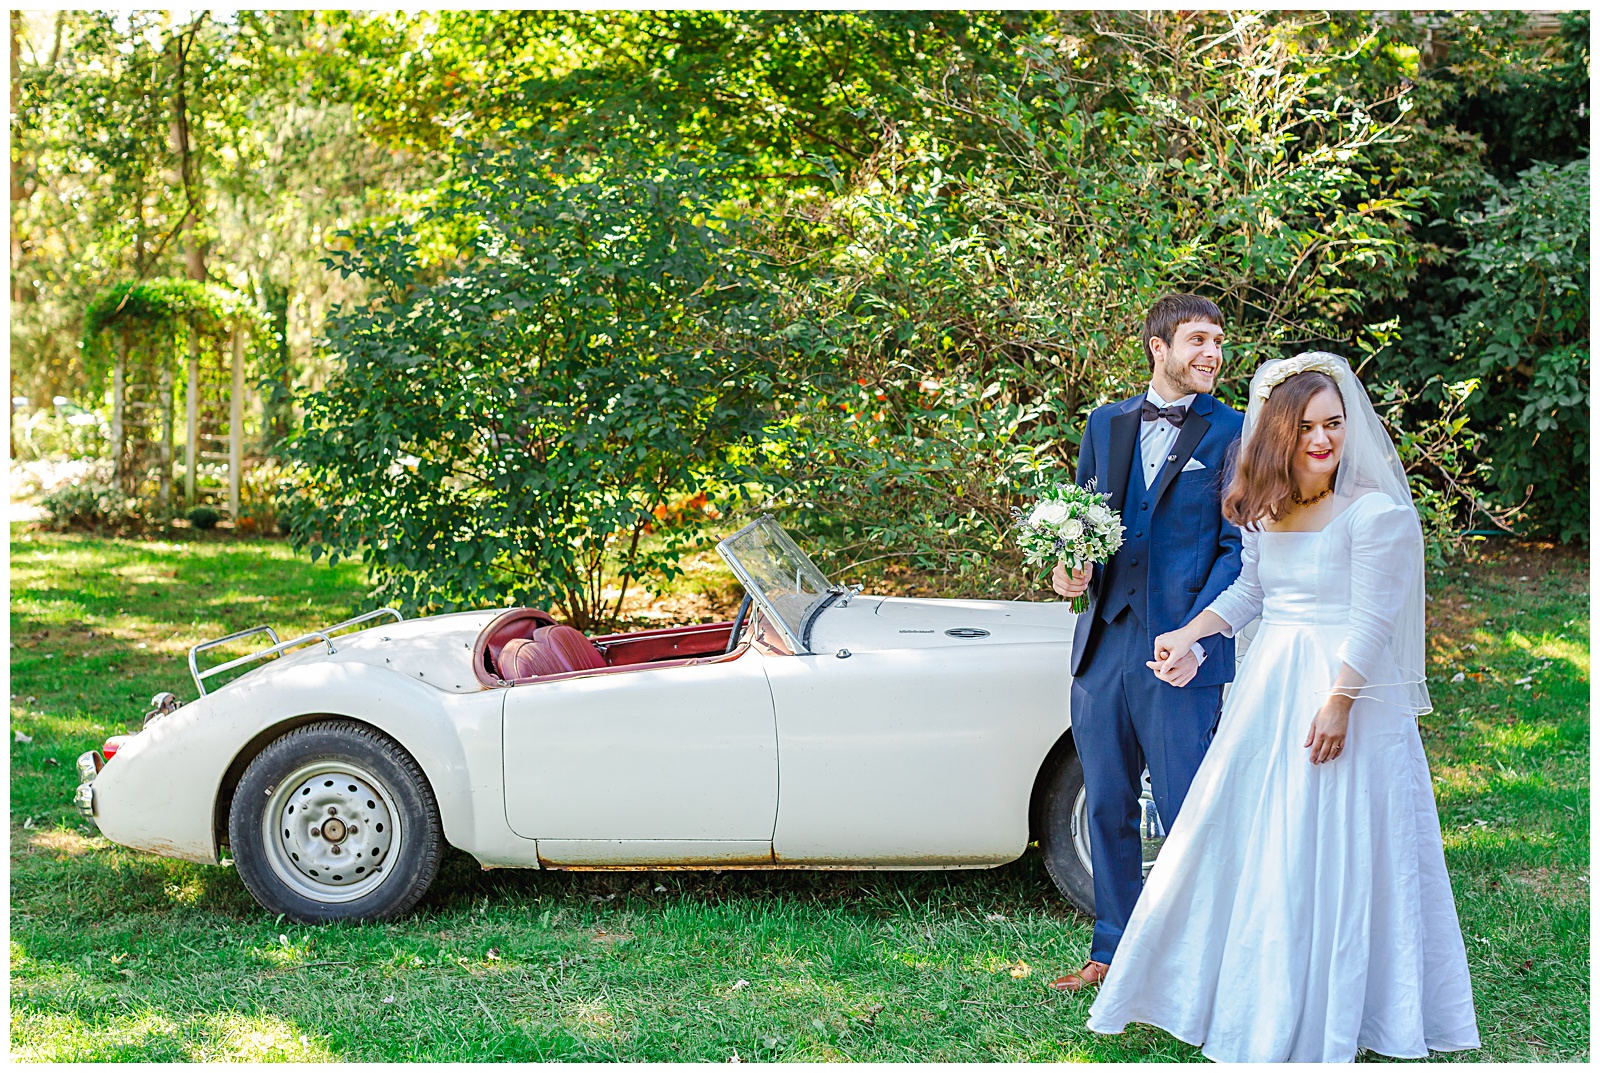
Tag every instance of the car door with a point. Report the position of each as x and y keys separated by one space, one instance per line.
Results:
x=653 y=765
x=914 y=757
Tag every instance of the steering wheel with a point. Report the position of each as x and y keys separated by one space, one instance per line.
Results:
x=738 y=624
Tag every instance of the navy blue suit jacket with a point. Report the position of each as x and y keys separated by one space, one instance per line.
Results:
x=1194 y=550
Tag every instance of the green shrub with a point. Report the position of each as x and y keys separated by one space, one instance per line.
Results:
x=1525 y=333
x=204 y=517
x=507 y=432
x=89 y=504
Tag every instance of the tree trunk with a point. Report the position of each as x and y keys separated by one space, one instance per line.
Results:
x=275 y=409
x=183 y=148
x=194 y=258
x=19 y=189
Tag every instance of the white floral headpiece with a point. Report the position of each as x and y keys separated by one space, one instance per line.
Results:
x=1311 y=361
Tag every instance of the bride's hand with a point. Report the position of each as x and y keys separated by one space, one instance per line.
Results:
x=1175 y=662
x=1326 y=736
x=1170 y=642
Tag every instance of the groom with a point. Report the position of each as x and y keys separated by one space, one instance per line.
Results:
x=1161 y=455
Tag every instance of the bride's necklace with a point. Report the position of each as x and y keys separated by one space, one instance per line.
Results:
x=1294 y=494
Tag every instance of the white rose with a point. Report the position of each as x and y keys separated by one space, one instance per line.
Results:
x=1071 y=530
x=1050 y=512
x=1100 y=516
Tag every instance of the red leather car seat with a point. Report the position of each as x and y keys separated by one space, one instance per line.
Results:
x=551 y=650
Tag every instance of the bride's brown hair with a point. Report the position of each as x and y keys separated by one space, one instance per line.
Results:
x=1262 y=482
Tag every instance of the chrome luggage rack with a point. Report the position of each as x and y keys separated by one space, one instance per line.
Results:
x=325 y=635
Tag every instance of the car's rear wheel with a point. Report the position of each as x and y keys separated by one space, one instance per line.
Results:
x=1064 y=830
x=1063 y=820
x=334 y=821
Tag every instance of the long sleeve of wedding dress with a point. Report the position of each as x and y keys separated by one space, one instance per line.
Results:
x=1385 y=555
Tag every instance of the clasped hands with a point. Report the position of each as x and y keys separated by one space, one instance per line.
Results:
x=1175 y=662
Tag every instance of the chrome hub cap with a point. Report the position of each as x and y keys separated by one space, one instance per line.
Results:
x=331 y=829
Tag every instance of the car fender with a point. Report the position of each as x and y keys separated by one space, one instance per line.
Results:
x=161 y=791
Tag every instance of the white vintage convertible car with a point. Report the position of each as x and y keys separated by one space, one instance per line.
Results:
x=822 y=728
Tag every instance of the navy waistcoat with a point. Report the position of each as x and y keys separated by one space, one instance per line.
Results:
x=1128 y=573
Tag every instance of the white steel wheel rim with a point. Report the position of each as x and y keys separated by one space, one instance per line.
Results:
x=1080 y=829
x=1080 y=836
x=331 y=831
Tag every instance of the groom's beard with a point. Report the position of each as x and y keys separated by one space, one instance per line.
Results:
x=1189 y=382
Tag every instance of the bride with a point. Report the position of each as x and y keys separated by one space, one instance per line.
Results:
x=1300 y=909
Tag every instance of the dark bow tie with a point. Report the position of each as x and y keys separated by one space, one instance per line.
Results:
x=1174 y=414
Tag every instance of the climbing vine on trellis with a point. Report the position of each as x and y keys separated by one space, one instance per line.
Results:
x=158 y=336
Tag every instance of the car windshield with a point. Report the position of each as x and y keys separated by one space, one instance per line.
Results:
x=777 y=575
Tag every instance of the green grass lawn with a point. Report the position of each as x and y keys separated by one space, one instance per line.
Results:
x=119 y=956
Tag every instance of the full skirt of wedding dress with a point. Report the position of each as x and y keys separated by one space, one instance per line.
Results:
x=1299 y=912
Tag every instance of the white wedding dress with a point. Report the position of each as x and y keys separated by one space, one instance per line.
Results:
x=1301 y=912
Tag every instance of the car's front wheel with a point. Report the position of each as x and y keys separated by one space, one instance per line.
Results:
x=334 y=821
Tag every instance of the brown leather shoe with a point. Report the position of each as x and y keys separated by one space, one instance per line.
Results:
x=1088 y=976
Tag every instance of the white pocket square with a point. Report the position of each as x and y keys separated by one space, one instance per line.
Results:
x=1192 y=465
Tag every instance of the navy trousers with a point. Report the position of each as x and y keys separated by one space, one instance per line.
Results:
x=1123 y=719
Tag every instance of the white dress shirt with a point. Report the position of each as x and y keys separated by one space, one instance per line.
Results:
x=1156 y=439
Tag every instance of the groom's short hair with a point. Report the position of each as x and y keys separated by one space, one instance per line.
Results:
x=1172 y=310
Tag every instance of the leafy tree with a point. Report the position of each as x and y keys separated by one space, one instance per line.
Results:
x=1534 y=108
x=1500 y=300
x=975 y=317
x=269 y=167
x=1523 y=332
x=778 y=90
x=512 y=423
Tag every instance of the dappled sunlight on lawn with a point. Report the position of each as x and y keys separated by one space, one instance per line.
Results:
x=1574 y=653
x=145 y=573
x=42 y=1036
x=1489 y=838
x=590 y=1018
x=63 y=843
x=238 y=1037
x=283 y=954
x=1524 y=736
x=190 y=890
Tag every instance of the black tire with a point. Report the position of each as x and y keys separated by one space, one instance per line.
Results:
x=1063 y=842
x=388 y=841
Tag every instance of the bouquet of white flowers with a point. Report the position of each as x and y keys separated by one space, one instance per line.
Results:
x=1070 y=525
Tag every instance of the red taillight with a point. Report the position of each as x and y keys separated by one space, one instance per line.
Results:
x=113 y=744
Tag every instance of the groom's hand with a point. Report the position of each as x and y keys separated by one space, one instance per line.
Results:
x=1072 y=585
